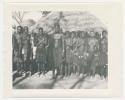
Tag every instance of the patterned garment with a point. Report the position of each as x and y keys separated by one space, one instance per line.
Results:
x=26 y=46
x=41 y=48
x=74 y=50
x=17 y=41
x=17 y=58
x=57 y=50
x=99 y=59
x=103 y=57
x=104 y=45
x=50 y=58
x=17 y=47
x=82 y=52
x=69 y=56
x=93 y=42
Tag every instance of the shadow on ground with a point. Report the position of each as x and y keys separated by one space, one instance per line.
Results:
x=49 y=85
x=15 y=83
x=80 y=81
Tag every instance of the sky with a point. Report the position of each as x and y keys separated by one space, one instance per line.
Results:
x=33 y=15
x=36 y=15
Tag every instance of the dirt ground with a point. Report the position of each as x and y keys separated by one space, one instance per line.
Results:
x=72 y=82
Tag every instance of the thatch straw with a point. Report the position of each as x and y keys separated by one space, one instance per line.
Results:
x=70 y=21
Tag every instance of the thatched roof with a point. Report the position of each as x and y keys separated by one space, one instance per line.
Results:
x=70 y=21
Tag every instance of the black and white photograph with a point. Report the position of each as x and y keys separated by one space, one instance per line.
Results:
x=59 y=50
x=62 y=50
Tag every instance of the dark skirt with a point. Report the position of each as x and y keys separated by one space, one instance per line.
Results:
x=50 y=58
x=101 y=59
x=41 y=55
x=17 y=57
x=57 y=54
x=75 y=59
x=69 y=57
x=82 y=61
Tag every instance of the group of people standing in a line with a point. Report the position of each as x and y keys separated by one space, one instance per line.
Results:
x=63 y=53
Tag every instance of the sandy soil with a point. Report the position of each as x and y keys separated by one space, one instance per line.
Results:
x=46 y=82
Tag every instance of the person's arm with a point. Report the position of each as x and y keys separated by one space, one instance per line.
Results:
x=47 y=41
x=63 y=44
x=37 y=41
x=13 y=41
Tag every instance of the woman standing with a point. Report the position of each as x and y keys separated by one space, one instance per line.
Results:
x=41 y=51
x=57 y=50
x=93 y=51
x=69 y=60
x=103 y=58
x=26 y=49
x=17 y=49
x=82 y=53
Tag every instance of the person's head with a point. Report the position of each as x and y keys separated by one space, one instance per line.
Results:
x=97 y=35
x=41 y=30
x=26 y=29
x=104 y=33
x=92 y=33
x=14 y=27
x=19 y=29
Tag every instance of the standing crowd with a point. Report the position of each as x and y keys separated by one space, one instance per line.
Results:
x=63 y=53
